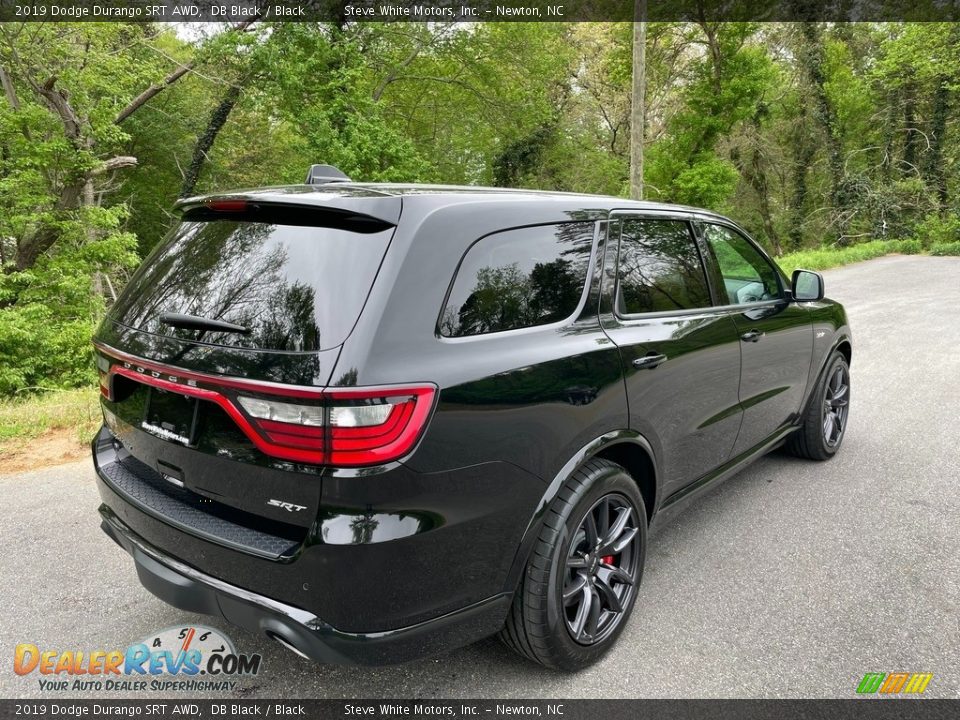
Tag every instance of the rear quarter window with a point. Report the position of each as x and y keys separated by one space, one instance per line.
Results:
x=519 y=278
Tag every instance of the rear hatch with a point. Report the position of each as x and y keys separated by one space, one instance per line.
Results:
x=248 y=300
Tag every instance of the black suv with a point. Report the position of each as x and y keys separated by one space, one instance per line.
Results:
x=376 y=422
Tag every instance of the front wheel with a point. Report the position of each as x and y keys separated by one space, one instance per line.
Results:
x=825 y=421
x=581 y=580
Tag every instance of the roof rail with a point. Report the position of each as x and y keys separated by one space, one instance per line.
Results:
x=323 y=174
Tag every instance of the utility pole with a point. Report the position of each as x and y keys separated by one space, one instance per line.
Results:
x=637 y=104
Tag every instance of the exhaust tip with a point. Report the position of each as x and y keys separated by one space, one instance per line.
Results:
x=287 y=644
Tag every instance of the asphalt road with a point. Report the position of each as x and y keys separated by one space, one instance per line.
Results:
x=792 y=579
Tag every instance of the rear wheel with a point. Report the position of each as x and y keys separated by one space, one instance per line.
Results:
x=581 y=580
x=825 y=422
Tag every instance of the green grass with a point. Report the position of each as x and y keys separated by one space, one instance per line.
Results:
x=945 y=248
x=27 y=417
x=824 y=258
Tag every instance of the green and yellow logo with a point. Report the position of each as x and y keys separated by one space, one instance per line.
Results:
x=893 y=683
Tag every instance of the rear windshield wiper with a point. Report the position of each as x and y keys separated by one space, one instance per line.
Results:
x=193 y=322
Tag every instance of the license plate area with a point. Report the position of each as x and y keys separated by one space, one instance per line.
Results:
x=171 y=416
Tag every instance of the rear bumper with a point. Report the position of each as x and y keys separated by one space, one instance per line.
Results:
x=189 y=589
x=401 y=591
x=386 y=551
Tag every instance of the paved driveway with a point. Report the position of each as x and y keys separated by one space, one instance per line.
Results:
x=792 y=579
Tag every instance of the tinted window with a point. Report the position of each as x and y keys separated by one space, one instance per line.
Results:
x=659 y=268
x=295 y=287
x=519 y=278
x=746 y=274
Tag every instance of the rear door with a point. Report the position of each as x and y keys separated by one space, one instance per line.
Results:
x=680 y=355
x=775 y=335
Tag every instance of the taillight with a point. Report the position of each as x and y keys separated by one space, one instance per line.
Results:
x=350 y=427
x=282 y=412
x=346 y=428
x=105 y=385
x=227 y=206
x=103 y=371
x=371 y=427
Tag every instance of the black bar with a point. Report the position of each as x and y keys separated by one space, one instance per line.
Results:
x=341 y=11
x=185 y=707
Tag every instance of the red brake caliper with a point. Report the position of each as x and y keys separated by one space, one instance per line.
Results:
x=607 y=559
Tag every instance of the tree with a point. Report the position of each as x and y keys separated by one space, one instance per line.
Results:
x=722 y=88
x=638 y=108
x=87 y=76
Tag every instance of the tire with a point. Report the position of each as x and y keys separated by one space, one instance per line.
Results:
x=819 y=438
x=541 y=625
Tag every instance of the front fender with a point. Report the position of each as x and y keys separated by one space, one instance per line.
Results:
x=830 y=330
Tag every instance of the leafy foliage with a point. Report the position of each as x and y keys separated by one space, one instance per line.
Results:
x=812 y=135
x=49 y=311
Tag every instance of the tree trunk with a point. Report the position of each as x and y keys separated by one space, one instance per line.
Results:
x=823 y=111
x=33 y=246
x=889 y=136
x=933 y=167
x=755 y=173
x=803 y=153
x=638 y=105
x=218 y=119
x=911 y=143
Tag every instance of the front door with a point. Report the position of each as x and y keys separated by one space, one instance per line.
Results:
x=776 y=335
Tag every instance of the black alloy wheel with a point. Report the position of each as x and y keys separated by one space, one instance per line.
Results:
x=601 y=569
x=582 y=577
x=827 y=414
x=836 y=402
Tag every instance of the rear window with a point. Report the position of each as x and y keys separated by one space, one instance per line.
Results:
x=519 y=278
x=294 y=287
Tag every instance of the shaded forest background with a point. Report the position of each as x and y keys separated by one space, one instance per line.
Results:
x=811 y=135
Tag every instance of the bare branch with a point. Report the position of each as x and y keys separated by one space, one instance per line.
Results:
x=393 y=73
x=141 y=99
x=59 y=101
x=114 y=163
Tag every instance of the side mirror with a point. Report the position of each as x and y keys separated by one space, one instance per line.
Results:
x=807 y=286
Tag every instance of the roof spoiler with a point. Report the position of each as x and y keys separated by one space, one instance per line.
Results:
x=252 y=209
x=323 y=174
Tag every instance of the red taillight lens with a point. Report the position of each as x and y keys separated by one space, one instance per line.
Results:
x=352 y=427
x=105 y=386
x=227 y=206
x=347 y=428
x=372 y=427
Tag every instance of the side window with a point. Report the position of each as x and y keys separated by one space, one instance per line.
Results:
x=746 y=274
x=519 y=278
x=659 y=268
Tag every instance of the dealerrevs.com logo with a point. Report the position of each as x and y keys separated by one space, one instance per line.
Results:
x=194 y=658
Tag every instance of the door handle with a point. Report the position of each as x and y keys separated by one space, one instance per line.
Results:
x=751 y=336
x=649 y=362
